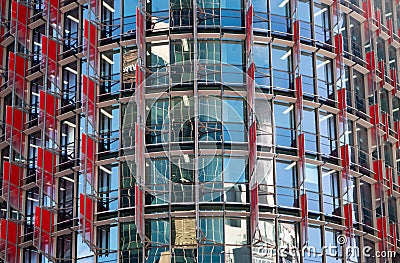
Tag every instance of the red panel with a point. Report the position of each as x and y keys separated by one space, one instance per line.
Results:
x=382 y=231
x=16 y=74
x=381 y=68
x=50 y=52
x=339 y=45
x=393 y=76
x=94 y=5
x=345 y=154
x=249 y=29
x=304 y=216
x=12 y=180
x=371 y=60
x=301 y=148
x=378 y=21
x=378 y=176
x=296 y=47
x=299 y=97
x=250 y=91
x=86 y=212
x=254 y=218
x=88 y=158
x=389 y=177
x=45 y=167
x=252 y=147
x=348 y=217
x=140 y=28
x=367 y=7
x=19 y=20
x=15 y=120
x=393 y=234
x=90 y=43
x=139 y=213
x=390 y=27
x=397 y=130
x=48 y=112
x=44 y=227
x=374 y=113
x=51 y=8
x=89 y=98
x=378 y=170
x=342 y=105
x=10 y=237
x=385 y=122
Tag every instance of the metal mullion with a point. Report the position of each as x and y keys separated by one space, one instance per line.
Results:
x=196 y=123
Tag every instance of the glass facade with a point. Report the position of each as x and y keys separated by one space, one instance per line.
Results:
x=199 y=130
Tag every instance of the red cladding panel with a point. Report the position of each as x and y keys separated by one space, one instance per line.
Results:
x=250 y=86
x=94 y=5
x=14 y=118
x=378 y=170
x=348 y=217
x=374 y=113
x=88 y=157
x=89 y=93
x=385 y=122
x=249 y=29
x=389 y=177
x=390 y=28
x=339 y=45
x=44 y=222
x=90 y=43
x=50 y=52
x=252 y=147
x=12 y=180
x=14 y=126
x=88 y=147
x=345 y=153
x=140 y=28
x=304 y=216
x=382 y=227
x=20 y=15
x=86 y=212
x=296 y=39
x=381 y=68
x=393 y=233
x=378 y=21
x=46 y=162
x=397 y=130
x=48 y=110
x=378 y=176
x=393 y=76
x=52 y=6
x=139 y=212
x=12 y=233
x=367 y=7
x=301 y=148
x=299 y=97
x=16 y=75
x=371 y=60
x=254 y=218
x=342 y=104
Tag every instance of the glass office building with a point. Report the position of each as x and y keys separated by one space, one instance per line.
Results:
x=199 y=131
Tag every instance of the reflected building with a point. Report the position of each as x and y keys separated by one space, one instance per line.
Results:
x=198 y=130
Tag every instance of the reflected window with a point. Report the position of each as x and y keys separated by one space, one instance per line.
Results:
x=284 y=124
x=286 y=183
x=330 y=190
x=282 y=67
x=312 y=187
